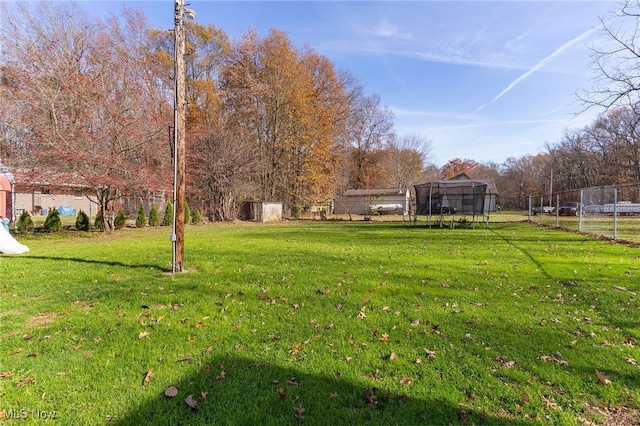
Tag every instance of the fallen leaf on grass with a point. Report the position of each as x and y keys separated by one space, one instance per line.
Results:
x=147 y=377
x=603 y=378
x=185 y=358
x=26 y=381
x=632 y=362
x=549 y=403
x=393 y=356
x=406 y=381
x=369 y=396
x=15 y=351
x=171 y=392
x=281 y=394
x=504 y=361
x=191 y=402
x=27 y=337
x=430 y=353
x=415 y=323
x=296 y=349
x=333 y=395
x=558 y=361
x=6 y=374
x=143 y=334
x=221 y=376
x=299 y=412
x=293 y=382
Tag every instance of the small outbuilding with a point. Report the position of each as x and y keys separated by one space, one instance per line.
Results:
x=373 y=201
x=261 y=211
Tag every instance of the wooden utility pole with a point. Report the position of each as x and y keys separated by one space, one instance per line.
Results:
x=179 y=140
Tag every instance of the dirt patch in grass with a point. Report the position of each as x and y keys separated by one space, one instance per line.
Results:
x=42 y=320
x=613 y=416
x=10 y=313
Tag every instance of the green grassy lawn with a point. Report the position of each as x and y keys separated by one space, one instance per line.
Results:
x=322 y=323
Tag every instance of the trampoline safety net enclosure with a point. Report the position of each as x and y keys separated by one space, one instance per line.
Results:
x=451 y=197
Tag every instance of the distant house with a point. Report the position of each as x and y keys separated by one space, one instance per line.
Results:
x=491 y=196
x=63 y=194
x=373 y=201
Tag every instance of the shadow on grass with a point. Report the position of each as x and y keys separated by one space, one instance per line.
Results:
x=511 y=243
x=236 y=390
x=98 y=262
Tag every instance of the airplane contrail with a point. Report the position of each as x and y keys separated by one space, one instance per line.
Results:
x=541 y=64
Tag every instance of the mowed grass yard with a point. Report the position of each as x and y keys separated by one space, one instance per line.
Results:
x=322 y=323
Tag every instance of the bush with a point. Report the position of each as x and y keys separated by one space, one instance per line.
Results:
x=120 y=220
x=82 y=222
x=141 y=220
x=97 y=222
x=187 y=213
x=197 y=216
x=168 y=215
x=154 y=216
x=297 y=210
x=25 y=223
x=53 y=223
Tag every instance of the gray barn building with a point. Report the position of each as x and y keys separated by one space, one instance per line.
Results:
x=373 y=201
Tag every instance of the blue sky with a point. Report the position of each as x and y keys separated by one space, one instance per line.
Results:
x=484 y=80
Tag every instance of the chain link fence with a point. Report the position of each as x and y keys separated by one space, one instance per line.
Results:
x=609 y=211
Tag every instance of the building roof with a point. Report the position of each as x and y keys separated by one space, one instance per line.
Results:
x=491 y=185
x=461 y=179
x=374 y=192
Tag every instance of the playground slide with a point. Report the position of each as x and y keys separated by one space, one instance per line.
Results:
x=8 y=244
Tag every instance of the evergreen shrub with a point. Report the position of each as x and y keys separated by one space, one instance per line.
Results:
x=141 y=220
x=197 y=216
x=154 y=216
x=53 y=223
x=25 y=223
x=167 y=220
x=97 y=222
x=120 y=220
x=82 y=221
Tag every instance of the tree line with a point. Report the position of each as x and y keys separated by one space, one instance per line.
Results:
x=89 y=102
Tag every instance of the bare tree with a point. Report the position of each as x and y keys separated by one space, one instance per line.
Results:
x=616 y=60
x=405 y=160
x=370 y=128
x=83 y=98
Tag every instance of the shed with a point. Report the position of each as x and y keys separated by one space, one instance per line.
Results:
x=373 y=201
x=261 y=211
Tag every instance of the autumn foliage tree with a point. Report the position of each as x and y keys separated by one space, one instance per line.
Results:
x=84 y=99
x=284 y=103
x=456 y=166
